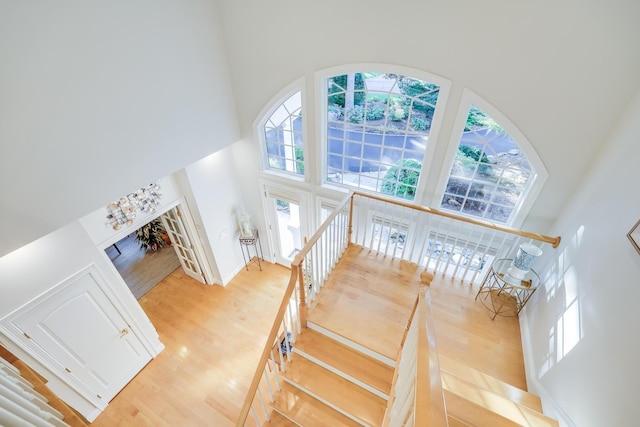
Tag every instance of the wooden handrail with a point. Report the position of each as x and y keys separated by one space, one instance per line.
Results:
x=554 y=241
x=257 y=376
x=429 y=406
x=312 y=241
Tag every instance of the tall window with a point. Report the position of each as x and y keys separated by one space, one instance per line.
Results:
x=378 y=128
x=490 y=173
x=283 y=137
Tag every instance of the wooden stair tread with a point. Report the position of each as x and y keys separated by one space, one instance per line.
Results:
x=466 y=413
x=345 y=359
x=498 y=405
x=308 y=411
x=361 y=306
x=455 y=422
x=338 y=391
x=278 y=420
x=489 y=383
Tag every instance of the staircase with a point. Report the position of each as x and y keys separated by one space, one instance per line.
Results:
x=33 y=386
x=329 y=382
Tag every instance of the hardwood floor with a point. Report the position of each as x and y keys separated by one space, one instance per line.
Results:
x=214 y=336
x=466 y=333
x=370 y=300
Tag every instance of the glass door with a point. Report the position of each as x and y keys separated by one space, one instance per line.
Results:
x=285 y=228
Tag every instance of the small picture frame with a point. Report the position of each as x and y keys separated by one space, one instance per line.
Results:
x=634 y=236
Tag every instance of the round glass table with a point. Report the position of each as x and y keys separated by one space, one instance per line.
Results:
x=504 y=294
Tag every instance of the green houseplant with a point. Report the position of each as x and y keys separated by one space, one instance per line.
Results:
x=151 y=235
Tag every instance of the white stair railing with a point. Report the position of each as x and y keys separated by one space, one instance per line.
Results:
x=20 y=404
x=438 y=241
x=309 y=270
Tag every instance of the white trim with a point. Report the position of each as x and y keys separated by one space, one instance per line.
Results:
x=538 y=178
x=265 y=113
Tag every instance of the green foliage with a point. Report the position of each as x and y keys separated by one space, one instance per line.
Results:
x=335 y=111
x=299 y=154
x=355 y=114
x=150 y=235
x=479 y=119
x=375 y=112
x=378 y=97
x=397 y=113
x=418 y=123
x=336 y=93
x=401 y=180
x=478 y=155
x=424 y=91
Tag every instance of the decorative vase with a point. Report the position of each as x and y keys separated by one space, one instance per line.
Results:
x=526 y=256
x=246 y=229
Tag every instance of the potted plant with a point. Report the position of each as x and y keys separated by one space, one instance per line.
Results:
x=150 y=236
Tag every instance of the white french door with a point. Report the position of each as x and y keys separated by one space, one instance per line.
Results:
x=176 y=228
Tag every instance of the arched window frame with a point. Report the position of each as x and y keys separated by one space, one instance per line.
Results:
x=539 y=171
x=321 y=78
x=265 y=115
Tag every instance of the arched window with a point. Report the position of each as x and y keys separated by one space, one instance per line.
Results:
x=284 y=148
x=378 y=128
x=491 y=174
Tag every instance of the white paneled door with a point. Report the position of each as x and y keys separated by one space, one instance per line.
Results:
x=81 y=335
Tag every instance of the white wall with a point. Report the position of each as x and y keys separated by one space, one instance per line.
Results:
x=560 y=71
x=103 y=235
x=102 y=96
x=579 y=332
x=218 y=200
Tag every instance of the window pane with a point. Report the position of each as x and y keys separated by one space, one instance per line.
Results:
x=387 y=119
x=489 y=166
x=283 y=137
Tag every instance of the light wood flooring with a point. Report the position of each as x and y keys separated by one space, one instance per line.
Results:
x=214 y=337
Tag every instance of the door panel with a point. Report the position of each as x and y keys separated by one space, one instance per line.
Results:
x=79 y=330
x=176 y=228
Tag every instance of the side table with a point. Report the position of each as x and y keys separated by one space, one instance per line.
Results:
x=503 y=294
x=246 y=243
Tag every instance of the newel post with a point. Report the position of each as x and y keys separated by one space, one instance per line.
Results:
x=350 y=228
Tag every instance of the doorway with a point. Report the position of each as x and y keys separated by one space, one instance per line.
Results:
x=141 y=269
x=286 y=233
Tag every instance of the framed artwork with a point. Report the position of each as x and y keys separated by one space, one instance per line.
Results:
x=634 y=236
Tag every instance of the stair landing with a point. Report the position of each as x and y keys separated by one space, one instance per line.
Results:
x=370 y=300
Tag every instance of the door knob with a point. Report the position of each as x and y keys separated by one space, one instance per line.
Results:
x=124 y=332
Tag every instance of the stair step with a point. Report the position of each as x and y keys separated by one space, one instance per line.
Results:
x=305 y=410
x=476 y=397
x=454 y=422
x=278 y=420
x=466 y=413
x=350 y=363
x=336 y=391
x=489 y=383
